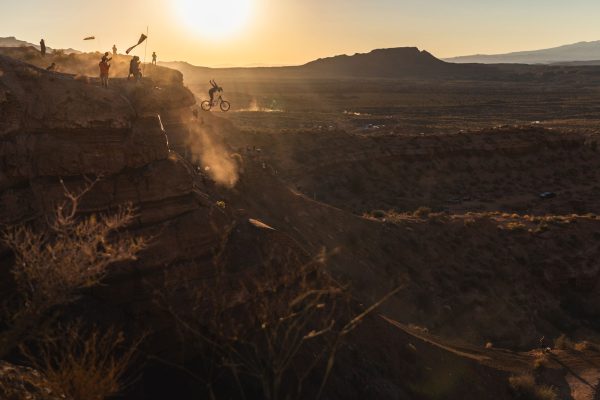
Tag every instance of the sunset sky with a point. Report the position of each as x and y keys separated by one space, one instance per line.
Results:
x=289 y=32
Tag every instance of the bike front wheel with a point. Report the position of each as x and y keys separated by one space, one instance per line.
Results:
x=206 y=106
x=225 y=106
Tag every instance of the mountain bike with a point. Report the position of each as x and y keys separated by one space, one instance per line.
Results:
x=223 y=104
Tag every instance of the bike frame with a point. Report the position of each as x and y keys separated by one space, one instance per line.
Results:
x=217 y=101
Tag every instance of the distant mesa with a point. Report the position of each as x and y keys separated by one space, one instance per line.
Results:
x=381 y=63
x=578 y=53
x=400 y=62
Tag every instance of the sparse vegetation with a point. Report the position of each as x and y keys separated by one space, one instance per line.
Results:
x=378 y=214
x=564 y=343
x=422 y=212
x=524 y=387
x=54 y=262
x=83 y=363
x=541 y=360
x=272 y=331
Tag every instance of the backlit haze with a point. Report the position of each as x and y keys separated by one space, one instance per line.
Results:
x=291 y=32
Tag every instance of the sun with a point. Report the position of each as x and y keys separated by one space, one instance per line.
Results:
x=215 y=19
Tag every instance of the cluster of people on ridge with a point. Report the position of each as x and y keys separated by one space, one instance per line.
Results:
x=135 y=70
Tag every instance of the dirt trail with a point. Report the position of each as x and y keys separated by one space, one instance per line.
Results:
x=501 y=359
x=582 y=369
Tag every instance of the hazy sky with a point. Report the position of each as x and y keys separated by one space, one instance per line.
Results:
x=242 y=32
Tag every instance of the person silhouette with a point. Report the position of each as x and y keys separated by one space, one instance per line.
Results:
x=114 y=49
x=213 y=89
x=134 y=69
x=43 y=47
x=154 y=57
x=104 y=66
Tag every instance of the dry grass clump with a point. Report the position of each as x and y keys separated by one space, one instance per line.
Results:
x=422 y=212
x=587 y=346
x=582 y=346
x=564 y=343
x=516 y=226
x=541 y=360
x=524 y=387
x=54 y=262
x=83 y=363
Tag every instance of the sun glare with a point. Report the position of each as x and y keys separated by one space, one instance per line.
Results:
x=215 y=19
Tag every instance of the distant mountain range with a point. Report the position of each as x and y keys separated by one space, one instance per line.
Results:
x=401 y=62
x=404 y=61
x=571 y=53
x=12 y=41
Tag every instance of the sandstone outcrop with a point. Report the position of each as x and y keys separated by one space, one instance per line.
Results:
x=57 y=130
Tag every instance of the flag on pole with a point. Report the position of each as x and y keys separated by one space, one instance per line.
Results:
x=90 y=38
x=142 y=38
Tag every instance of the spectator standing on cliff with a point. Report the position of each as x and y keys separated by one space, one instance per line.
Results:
x=134 y=68
x=114 y=49
x=43 y=47
x=154 y=57
x=104 y=69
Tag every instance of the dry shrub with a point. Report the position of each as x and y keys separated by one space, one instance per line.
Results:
x=516 y=226
x=541 y=361
x=524 y=387
x=55 y=261
x=273 y=329
x=585 y=346
x=83 y=363
x=378 y=214
x=422 y=212
x=564 y=343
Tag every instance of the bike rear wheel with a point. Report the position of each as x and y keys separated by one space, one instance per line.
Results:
x=225 y=106
x=206 y=106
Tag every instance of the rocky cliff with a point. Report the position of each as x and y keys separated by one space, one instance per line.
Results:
x=57 y=128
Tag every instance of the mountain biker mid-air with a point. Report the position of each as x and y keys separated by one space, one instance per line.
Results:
x=213 y=89
x=206 y=105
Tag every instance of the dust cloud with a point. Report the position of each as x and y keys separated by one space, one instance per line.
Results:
x=213 y=157
x=255 y=107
